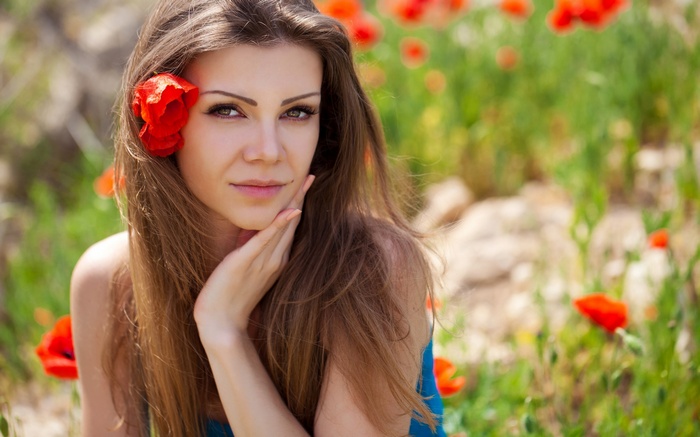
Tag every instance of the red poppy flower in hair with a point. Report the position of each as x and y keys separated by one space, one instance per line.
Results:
x=163 y=102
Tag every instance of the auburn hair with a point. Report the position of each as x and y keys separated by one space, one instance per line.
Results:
x=352 y=253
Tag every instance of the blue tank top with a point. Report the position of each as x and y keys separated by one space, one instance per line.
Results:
x=426 y=385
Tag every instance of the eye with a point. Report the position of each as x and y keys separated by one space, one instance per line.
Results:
x=224 y=111
x=300 y=113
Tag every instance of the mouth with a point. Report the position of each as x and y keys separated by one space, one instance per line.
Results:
x=258 y=189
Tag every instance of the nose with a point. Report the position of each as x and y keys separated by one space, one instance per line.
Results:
x=266 y=145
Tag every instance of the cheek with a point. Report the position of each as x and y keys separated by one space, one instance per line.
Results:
x=305 y=146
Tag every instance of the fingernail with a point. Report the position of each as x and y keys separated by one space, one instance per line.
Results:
x=293 y=214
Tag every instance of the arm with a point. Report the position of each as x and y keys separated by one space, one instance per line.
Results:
x=90 y=306
x=338 y=412
x=254 y=407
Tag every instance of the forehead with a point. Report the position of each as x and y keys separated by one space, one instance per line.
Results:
x=249 y=66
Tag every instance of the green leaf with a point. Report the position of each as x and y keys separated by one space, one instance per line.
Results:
x=4 y=426
x=529 y=423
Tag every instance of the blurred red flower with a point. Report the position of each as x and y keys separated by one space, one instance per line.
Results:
x=372 y=75
x=507 y=58
x=340 y=9
x=365 y=30
x=435 y=81
x=659 y=239
x=561 y=18
x=606 y=312
x=408 y=11
x=457 y=5
x=592 y=13
x=56 y=350
x=444 y=371
x=105 y=184
x=434 y=302
x=517 y=8
x=414 y=52
x=614 y=6
x=416 y=12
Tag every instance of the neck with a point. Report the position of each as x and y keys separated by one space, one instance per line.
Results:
x=229 y=238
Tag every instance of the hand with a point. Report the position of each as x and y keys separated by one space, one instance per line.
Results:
x=243 y=277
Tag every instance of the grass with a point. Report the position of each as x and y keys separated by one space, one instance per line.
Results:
x=37 y=286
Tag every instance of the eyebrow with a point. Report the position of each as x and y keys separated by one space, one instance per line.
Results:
x=252 y=102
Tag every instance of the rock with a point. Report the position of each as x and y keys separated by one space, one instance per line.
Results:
x=619 y=232
x=643 y=281
x=471 y=263
x=657 y=160
x=445 y=203
x=494 y=217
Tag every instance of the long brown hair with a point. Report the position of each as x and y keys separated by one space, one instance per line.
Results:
x=352 y=248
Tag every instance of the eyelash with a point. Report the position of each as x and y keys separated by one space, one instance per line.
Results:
x=308 y=110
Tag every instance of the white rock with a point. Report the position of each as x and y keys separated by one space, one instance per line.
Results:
x=445 y=203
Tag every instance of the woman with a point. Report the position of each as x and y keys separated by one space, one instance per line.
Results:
x=267 y=284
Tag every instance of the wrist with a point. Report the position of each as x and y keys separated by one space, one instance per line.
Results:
x=217 y=336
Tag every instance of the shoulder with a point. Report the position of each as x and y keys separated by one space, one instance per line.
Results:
x=91 y=305
x=403 y=253
x=93 y=273
x=409 y=272
x=91 y=282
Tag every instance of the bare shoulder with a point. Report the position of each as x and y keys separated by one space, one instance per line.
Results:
x=405 y=256
x=96 y=267
x=90 y=312
x=409 y=272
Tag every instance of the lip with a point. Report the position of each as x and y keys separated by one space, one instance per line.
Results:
x=258 y=189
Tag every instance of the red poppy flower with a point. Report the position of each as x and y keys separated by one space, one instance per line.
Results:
x=608 y=313
x=507 y=58
x=435 y=81
x=457 y=5
x=561 y=18
x=408 y=11
x=444 y=371
x=414 y=52
x=105 y=184
x=340 y=9
x=434 y=302
x=659 y=239
x=365 y=30
x=56 y=350
x=163 y=102
x=592 y=13
x=517 y=8
x=614 y=6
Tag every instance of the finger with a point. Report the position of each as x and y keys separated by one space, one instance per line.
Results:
x=269 y=236
x=277 y=248
x=281 y=242
x=281 y=250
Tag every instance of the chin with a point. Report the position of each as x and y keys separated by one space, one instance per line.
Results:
x=254 y=224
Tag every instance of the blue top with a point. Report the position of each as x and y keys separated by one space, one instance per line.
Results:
x=428 y=389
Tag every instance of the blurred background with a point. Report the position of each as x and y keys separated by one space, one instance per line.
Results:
x=545 y=143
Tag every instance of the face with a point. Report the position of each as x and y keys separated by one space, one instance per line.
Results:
x=251 y=135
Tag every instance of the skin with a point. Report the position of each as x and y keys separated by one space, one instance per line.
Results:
x=230 y=145
x=255 y=123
